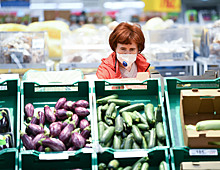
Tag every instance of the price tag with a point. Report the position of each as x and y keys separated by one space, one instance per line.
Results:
x=203 y=152
x=53 y=156
x=38 y=43
x=130 y=154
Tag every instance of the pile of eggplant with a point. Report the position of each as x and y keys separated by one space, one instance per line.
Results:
x=64 y=127
x=121 y=125
x=6 y=136
x=140 y=164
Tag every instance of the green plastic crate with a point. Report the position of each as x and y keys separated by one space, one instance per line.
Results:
x=48 y=94
x=156 y=155
x=181 y=154
x=173 y=86
x=150 y=94
x=10 y=98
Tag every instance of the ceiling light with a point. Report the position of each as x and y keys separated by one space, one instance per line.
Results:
x=121 y=5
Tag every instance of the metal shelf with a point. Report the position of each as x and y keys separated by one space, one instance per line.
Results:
x=205 y=63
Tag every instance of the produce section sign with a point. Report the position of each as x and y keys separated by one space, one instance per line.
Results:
x=9 y=3
x=162 y=5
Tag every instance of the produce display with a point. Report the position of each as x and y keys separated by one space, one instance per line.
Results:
x=121 y=125
x=64 y=127
x=141 y=164
x=6 y=136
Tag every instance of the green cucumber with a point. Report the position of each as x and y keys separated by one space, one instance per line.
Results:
x=142 y=118
x=110 y=110
x=109 y=143
x=128 y=168
x=99 y=113
x=129 y=141
x=134 y=116
x=163 y=165
x=137 y=166
x=104 y=107
x=160 y=131
x=108 y=121
x=133 y=107
x=101 y=128
x=145 y=166
x=135 y=145
x=158 y=114
x=137 y=134
x=114 y=113
x=123 y=142
x=143 y=126
x=147 y=136
x=107 y=135
x=117 y=142
x=144 y=143
x=120 y=168
x=119 y=102
x=119 y=125
x=113 y=164
x=106 y=126
x=141 y=160
x=208 y=125
x=102 y=166
x=149 y=112
x=152 y=139
x=160 y=143
x=127 y=118
x=104 y=100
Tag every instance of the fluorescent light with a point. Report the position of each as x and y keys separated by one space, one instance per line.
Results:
x=70 y=5
x=43 y=6
x=121 y=5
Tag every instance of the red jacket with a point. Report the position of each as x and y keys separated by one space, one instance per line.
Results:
x=109 y=68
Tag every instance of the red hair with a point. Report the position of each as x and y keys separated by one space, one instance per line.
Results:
x=126 y=33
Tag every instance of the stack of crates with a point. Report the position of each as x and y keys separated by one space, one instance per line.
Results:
x=178 y=152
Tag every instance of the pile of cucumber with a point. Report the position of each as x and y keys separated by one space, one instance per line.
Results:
x=122 y=126
x=140 y=164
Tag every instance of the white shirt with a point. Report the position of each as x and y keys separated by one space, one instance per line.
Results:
x=129 y=74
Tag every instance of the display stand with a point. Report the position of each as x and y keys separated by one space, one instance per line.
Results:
x=205 y=64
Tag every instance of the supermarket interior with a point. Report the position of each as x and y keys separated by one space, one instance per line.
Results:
x=56 y=114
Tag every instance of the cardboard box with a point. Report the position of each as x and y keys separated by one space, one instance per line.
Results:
x=200 y=165
x=197 y=105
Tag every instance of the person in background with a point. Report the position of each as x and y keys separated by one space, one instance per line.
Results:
x=126 y=61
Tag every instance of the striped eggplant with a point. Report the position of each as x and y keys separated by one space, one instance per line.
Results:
x=35 y=119
x=83 y=124
x=53 y=143
x=34 y=129
x=29 y=111
x=66 y=122
x=38 y=138
x=49 y=114
x=59 y=104
x=66 y=132
x=27 y=141
x=86 y=132
x=55 y=128
x=41 y=118
x=40 y=149
x=77 y=140
x=63 y=114
x=69 y=105
x=81 y=111
x=82 y=103
x=75 y=118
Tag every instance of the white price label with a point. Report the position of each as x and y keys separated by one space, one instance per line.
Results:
x=55 y=156
x=130 y=154
x=203 y=152
x=38 y=43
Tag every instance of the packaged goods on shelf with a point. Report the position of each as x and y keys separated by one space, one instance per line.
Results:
x=168 y=44
x=23 y=47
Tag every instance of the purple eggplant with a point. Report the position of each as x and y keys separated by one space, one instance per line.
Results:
x=29 y=111
x=34 y=129
x=4 y=122
x=66 y=122
x=63 y=114
x=35 y=119
x=69 y=143
x=38 y=138
x=53 y=143
x=83 y=124
x=49 y=114
x=82 y=103
x=69 y=105
x=81 y=111
x=55 y=128
x=72 y=148
x=41 y=118
x=86 y=132
x=40 y=149
x=66 y=132
x=75 y=118
x=77 y=140
x=60 y=103
x=27 y=141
